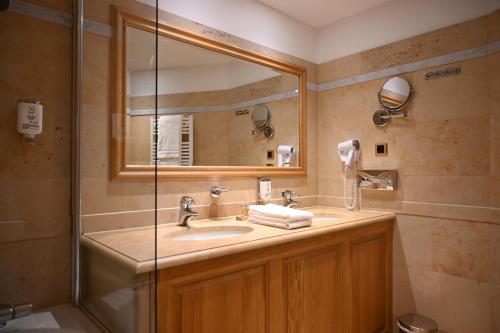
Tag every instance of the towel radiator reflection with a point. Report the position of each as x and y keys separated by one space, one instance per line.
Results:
x=186 y=140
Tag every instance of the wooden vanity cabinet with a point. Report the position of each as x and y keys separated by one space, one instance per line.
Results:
x=336 y=282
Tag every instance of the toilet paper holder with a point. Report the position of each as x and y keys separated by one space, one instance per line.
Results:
x=379 y=180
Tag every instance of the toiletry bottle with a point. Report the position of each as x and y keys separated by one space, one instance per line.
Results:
x=243 y=212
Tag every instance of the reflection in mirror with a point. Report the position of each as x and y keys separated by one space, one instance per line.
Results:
x=395 y=93
x=261 y=116
x=214 y=109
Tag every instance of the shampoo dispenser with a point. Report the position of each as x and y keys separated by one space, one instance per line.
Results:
x=263 y=190
x=29 y=119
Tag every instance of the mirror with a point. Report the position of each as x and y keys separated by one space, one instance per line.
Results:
x=261 y=119
x=261 y=116
x=393 y=98
x=215 y=103
x=395 y=93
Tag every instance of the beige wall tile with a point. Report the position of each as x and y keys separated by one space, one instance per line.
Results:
x=473 y=147
x=412 y=243
x=462 y=249
x=35 y=222
x=495 y=254
x=494 y=26
x=36 y=271
x=458 y=190
x=458 y=303
x=495 y=308
x=464 y=305
x=428 y=148
x=41 y=75
x=416 y=291
x=494 y=81
x=456 y=96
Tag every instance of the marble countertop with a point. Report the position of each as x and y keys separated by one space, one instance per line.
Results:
x=134 y=247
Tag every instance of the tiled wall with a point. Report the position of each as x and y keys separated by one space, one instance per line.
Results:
x=35 y=223
x=110 y=204
x=446 y=242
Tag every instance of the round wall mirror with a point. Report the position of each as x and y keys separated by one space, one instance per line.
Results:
x=261 y=116
x=395 y=93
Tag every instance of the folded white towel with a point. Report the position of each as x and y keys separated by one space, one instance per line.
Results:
x=169 y=139
x=285 y=213
x=287 y=225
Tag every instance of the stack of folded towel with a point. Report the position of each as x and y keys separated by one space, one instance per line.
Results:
x=279 y=216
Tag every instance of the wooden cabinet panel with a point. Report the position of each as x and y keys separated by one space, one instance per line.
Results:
x=338 y=282
x=310 y=292
x=368 y=285
x=231 y=303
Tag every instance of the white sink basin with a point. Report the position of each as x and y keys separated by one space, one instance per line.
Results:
x=206 y=233
x=324 y=214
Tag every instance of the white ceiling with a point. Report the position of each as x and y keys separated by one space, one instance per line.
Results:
x=319 y=13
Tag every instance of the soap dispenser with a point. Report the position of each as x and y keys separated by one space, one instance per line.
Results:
x=29 y=119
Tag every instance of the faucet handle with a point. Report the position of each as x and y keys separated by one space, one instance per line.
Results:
x=186 y=203
x=215 y=191
x=287 y=194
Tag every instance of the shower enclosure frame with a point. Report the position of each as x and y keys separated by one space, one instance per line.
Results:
x=79 y=24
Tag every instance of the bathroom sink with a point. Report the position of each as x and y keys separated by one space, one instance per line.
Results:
x=324 y=215
x=207 y=233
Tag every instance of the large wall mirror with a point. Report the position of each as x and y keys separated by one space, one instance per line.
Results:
x=222 y=111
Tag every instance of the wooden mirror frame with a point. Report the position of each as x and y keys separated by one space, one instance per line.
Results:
x=119 y=167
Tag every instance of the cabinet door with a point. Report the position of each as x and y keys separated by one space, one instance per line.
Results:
x=230 y=303
x=310 y=292
x=369 y=284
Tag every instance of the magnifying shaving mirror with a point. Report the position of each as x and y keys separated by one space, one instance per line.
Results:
x=261 y=119
x=393 y=97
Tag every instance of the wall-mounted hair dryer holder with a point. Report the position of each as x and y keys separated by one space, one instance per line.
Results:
x=378 y=180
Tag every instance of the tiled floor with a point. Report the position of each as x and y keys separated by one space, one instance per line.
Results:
x=60 y=319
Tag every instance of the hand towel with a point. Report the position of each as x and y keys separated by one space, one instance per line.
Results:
x=272 y=210
x=288 y=225
x=169 y=139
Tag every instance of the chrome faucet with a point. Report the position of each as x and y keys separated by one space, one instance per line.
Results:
x=10 y=312
x=185 y=212
x=288 y=199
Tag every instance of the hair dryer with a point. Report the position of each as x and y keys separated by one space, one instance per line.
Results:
x=349 y=152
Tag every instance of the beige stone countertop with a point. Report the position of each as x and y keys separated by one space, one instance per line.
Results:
x=134 y=247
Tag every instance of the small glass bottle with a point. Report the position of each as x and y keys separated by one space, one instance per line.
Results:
x=243 y=212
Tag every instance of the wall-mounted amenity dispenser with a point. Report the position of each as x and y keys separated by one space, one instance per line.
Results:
x=263 y=190
x=284 y=155
x=29 y=118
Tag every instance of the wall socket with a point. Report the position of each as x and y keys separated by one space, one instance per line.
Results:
x=381 y=149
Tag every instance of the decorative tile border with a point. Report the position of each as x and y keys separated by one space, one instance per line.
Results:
x=425 y=209
x=57 y=17
x=412 y=67
x=212 y=108
x=42 y=13
x=97 y=28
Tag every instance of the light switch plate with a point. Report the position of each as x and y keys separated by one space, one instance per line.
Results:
x=381 y=149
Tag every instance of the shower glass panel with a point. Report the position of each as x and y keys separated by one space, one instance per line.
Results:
x=118 y=216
